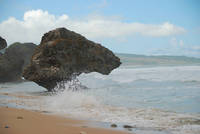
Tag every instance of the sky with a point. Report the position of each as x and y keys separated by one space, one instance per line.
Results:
x=150 y=27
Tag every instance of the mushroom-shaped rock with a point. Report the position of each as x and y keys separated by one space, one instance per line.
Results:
x=63 y=54
x=3 y=43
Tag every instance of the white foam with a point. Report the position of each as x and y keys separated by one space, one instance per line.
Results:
x=68 y=101
x=93 y=103
x=170 y=73
x=83 y=105
x=106 y=100
x=90 y=104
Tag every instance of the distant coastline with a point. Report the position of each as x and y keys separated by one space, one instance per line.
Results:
x=136 y=59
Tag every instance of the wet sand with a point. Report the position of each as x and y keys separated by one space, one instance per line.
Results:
x=20 y=121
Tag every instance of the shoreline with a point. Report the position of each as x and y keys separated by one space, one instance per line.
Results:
x=21 y=121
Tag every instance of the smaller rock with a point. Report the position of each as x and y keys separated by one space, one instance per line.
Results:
x=13 y=61
x=84 y=126
x=6 y=94
x=197 y=122
x=82 y=132
x=46 y=112
x=113 y=125
x=20 y=117
x=127 y=126
x=6 y=126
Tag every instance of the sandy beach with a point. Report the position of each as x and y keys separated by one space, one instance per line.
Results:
x=20 y=121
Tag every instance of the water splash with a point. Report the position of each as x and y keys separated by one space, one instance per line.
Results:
x=72 y=84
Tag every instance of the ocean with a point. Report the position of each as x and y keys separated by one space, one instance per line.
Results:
x=154 y=94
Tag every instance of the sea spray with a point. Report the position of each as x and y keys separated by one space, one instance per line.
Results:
x=72 y=84
x=71 y=101
x=81 y=104
x=145 y=98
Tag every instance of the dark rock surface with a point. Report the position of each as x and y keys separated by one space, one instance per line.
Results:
x=113 y=125
x=127 y=126
x=14 y=60
x=3 y=43
x=63 y=55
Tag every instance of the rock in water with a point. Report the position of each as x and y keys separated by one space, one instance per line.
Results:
x=64 y=54
x=14 y=60
x=113 y=125
x=3 y=43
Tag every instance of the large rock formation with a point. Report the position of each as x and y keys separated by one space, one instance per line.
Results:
x=3 y=43
x=14 y=60
x=64 y=54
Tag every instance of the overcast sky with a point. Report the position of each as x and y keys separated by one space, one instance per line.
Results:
x=151 y=27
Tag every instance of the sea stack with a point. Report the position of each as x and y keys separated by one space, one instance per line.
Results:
x=3 y=43
x=14 y=60
x=63 y=54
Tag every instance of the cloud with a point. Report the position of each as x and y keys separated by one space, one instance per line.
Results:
x=178 y=47
x=175 y=43
x=196 y=48
x=193 y=50
x=181 y=43
x=37 y=22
